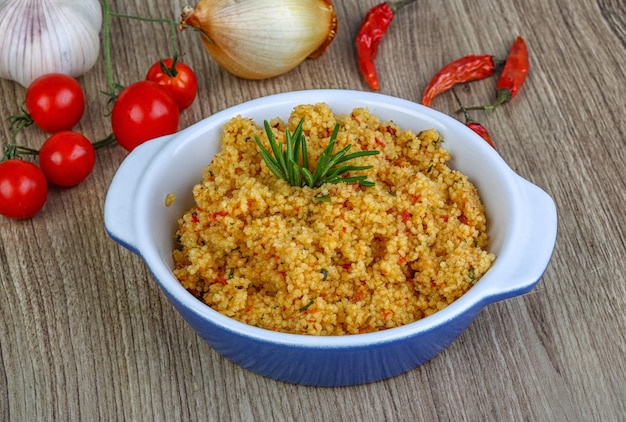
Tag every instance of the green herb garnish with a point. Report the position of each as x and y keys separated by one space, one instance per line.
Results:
x=305 y=307
x=322 y=198
x=292 y=162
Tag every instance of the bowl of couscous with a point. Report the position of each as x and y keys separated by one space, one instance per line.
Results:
x=346 y=280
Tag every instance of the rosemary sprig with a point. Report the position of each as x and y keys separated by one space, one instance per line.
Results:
x=291 y=162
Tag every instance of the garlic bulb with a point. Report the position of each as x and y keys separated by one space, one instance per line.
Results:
x=259 y=39
x=48 y=36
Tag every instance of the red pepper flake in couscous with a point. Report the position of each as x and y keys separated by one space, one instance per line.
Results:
x=337 y=259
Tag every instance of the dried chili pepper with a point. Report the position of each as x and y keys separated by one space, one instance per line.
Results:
x=514 y=72
x=465 y=69
x=481 y=130
x=513 y=75
x=474 y=125
x=372 y=30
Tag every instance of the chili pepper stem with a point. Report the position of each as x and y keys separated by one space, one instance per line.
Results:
x=397 y=5
x=502 y=96
x=463 y=109
x=472 y=124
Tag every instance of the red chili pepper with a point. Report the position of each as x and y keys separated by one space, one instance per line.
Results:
x=406 y=216
x=480 y=129
x=465 y=69
x=358 y=296
x=372 y=30
x=513 y=75
x=370 y=34
x=218 y=214
x=514 y=72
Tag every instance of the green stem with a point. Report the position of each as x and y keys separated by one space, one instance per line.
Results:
x=397 y=5
x=503 y=96
x=22 y=150
x=172 y=24
x=104 y=142
x=107 y=47
x=468 y=118
x=9 y=153
x=13 y=150
x=113 y=86
x=19 y=122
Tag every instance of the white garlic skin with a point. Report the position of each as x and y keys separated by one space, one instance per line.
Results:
x=38 y=37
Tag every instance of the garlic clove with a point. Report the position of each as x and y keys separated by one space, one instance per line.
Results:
x=259 y=39
x=38 y=37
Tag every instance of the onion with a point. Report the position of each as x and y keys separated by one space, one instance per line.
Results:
x=260 y=39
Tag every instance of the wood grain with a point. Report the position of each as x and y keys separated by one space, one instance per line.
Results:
x=86 y=335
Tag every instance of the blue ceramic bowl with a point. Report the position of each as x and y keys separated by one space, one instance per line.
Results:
x=522 y=226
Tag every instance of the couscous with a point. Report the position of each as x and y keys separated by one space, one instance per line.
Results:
x=341 y=258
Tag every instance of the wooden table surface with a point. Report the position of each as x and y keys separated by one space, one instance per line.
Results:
x=85 y=334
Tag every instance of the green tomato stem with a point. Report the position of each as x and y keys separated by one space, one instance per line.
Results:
x=104 y=142
x=113 y=86
x=172 y=26
x=106 y=25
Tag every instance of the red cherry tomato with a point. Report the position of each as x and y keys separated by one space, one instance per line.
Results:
x=180 y=81
x=143 y=111
x=67 y=158
x=55 y=102
x=23 y=189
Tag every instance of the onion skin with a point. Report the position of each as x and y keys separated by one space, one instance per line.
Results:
x=260 y=39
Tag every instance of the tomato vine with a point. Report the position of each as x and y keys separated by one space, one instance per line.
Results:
x=66 y=158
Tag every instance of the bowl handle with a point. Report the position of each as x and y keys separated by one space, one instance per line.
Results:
x=119 y=206
x=537 y=243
